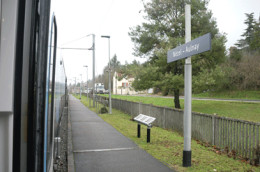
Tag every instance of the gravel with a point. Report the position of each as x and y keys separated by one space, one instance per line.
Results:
x=62 y=163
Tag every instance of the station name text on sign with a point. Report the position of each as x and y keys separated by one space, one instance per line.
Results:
x=193 y=47
x=187 y=50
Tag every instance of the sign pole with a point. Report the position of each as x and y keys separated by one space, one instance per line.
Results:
x=187 y=92
x=93 y=70
x=196 y=46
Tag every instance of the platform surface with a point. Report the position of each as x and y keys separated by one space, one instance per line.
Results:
x=97 y=146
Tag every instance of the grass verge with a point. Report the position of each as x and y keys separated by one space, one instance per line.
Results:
x=167 y=146
x=238 y=110
x=249 y=95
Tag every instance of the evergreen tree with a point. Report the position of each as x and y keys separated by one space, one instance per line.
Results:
x=114 y=66
x=235 y=54
x=133 y=69
x=163 y=30
x=114 y=63
x=249 y=31
x=255 y=42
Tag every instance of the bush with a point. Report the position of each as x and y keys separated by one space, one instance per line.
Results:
x=245 y=74
x=249 y=71
x=165 y=91
x=103 y=110
x=210 y=80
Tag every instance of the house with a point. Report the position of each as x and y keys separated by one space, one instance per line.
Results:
x=123 y=86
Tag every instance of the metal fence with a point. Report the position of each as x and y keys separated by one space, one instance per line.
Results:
x=238 y=137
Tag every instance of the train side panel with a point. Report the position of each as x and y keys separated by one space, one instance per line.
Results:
x=8 y=25
x=32 y=86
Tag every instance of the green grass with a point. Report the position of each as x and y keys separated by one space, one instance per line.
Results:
x=237 y=110
x=86 y=102
x=249 y=95
x=167 y=146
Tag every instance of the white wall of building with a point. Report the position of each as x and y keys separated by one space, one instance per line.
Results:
x=124 y=86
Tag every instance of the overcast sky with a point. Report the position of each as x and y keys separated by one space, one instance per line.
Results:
x=78 y=18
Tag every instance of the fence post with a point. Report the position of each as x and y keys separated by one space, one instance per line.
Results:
x=150 y=109
x=249 y=145
x=89 y=100
x=213 y=130
x=257 y=139
x=121 y=108
x=96 y=104
x=139 y=107
x=131 y=111
x=253 y=156
x=246 y=150
x=164 y=117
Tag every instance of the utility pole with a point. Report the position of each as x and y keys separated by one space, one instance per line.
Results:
x=187 y=92
x=92 y=48
x=109 y=75
x=75 y=85
x=87 y=80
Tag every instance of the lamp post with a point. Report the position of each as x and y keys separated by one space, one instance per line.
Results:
x=109 y=74
x=80 y=89
x=87 y=80
x=75 y=85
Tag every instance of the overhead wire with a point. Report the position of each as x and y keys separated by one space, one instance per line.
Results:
x=100 y=26
x=74 y=40
x=101 y=23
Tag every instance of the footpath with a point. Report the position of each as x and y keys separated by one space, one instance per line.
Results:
x=97 y=146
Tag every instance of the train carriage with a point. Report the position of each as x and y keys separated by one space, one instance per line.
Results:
x=32 y=86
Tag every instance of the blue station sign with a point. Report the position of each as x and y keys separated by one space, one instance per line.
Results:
x=196 y=46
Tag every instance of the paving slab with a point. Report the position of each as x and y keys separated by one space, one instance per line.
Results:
x=97 y=146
